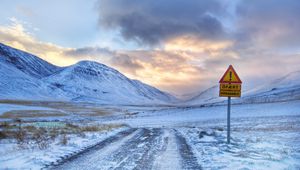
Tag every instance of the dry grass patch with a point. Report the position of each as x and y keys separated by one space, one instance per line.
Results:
x=96 y=112
x=82 y=109
x=92 y=128
x=31 y=135
x=13 y=114
x=17 y=102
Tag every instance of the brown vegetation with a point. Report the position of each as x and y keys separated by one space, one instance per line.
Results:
x=13 y=114
x=28 y=136
x=60 y=108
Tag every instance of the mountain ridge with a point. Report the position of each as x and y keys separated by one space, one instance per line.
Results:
x=25 y=61
x=83 y=80
x=26 y=76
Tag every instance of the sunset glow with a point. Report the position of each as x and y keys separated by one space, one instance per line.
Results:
x=168 y=47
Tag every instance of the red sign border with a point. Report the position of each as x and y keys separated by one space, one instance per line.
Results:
x=230 y=67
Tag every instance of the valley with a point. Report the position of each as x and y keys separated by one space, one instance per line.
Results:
x=91 y=116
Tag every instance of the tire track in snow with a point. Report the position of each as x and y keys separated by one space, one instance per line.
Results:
x=145 y=148
x=136 y=153
x=154 y=146
x=189 y=160
x=71 y=162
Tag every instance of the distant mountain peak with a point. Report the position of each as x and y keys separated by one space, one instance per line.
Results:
x=93 y=65
x=89 y=63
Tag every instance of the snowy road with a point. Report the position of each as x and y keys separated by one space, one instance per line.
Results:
x=257 y=143
x=143 y=148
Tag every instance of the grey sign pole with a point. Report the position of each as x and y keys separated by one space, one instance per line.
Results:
x=228 y=120
x=228 y=113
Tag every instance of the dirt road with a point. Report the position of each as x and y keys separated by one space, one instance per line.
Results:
x=143 y=148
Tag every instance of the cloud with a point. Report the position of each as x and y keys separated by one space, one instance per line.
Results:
x=252 y=24
x=117 y=59
x=171 y=70
x=153 y=22
x=126 y=63
x=268 y=23
x=167 y=70
x=90 y=51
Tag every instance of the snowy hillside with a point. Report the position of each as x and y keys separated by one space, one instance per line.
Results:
x=25 y=62
x=283 y=89
x=25 y=76
x=89 y=79
x=151 y=92
x=210 y=95
x=286 y=88
x=15 y=83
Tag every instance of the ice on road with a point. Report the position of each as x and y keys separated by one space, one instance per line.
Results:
x=144 y=148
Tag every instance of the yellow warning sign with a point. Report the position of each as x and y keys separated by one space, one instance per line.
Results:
x=230 y=76
x=230 y=84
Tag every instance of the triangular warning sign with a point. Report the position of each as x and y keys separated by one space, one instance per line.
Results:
x=230 y=76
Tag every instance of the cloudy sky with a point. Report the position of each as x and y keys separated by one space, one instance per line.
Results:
x=180 y=46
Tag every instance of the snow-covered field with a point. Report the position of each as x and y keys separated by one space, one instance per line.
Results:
x=257 y=143
x=188 y=116
x=264 y=136
x=8 y=107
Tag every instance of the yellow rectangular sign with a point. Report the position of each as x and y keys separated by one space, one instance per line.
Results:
x=230 y=87
x=231 y=93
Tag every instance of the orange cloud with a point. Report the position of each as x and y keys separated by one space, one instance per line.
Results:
x=196 y=45
x=16 y=36
x=167 y=70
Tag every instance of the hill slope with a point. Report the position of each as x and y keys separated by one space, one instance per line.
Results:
x=94 y=81
x=282 y=89
x=25 y=76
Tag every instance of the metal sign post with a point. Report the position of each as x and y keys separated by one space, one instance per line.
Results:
x=228 y=120
x=230 y=86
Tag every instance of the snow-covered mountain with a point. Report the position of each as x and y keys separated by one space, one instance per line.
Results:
x=95 y=81
x=283 y=89
x=25 y=76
